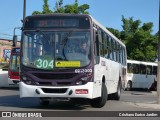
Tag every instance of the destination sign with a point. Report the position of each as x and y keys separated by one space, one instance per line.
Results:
x=51 y=22
x=57 y=23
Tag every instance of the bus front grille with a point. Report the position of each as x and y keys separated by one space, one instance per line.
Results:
x=54 y=76
x=54 y=90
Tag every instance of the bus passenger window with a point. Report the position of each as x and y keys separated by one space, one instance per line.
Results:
x=110 y=49
x=105 y=46
x=154 y=70
x=114 y=51
x=135 y=68
x=129 y=68
x=149 y=70
x=142 y=69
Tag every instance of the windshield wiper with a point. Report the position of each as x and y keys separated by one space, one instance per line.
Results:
x=64 y=42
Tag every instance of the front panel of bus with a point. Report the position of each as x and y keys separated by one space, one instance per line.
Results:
x=52 y=52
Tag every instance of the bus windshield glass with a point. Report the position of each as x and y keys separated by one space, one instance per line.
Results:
x=14 y=63
x=52 y=50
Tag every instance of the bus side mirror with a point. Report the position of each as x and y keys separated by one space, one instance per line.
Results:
x=14 y=40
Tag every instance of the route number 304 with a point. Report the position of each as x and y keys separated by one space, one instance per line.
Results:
x=44 y=63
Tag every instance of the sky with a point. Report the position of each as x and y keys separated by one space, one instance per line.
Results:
x=107 y=12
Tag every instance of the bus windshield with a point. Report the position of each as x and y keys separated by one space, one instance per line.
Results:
x=50 y=50
x=14 y=63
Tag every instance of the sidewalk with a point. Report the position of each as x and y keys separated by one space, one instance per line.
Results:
x=149 y=104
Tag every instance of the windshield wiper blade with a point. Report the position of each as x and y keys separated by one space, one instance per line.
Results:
x=65 y=42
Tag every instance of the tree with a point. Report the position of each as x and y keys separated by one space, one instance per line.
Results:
x=140 y=43
x=72 y=8
x=59 y=8
x=115 y=32
x=46 y=9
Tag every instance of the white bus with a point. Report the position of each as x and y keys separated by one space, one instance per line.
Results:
x=65 y=72
x=141 y=75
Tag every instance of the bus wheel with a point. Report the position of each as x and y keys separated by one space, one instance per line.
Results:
x=100 y=101
x=44 y=101
x=129 y=86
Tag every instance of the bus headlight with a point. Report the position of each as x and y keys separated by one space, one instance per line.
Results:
x=27 y=80
x=87 y=77
x=84 y=79
x=24 y=78
x=79 y=83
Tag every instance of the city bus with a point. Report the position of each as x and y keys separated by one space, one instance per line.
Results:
x=53 y=64
x=141 y=75
x=13 y=69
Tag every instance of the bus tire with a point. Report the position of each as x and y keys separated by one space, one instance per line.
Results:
x=43 y=102
x=100 y=101
x=129 y=86
x=153 y=86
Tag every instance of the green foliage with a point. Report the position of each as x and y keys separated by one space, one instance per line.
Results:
x=36 y=13
x=59 y=8
x=115 y=32
x=46 y=9
x=141 y=44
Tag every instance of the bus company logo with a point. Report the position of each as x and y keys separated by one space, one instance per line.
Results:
x=6 y=114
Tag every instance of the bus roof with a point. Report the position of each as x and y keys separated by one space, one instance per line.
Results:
x=107 y=31
x=142 y=62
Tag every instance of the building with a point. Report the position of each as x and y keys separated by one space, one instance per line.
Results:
x=5 y=49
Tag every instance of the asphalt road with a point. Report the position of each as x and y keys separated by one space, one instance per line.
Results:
x=130 y=101
x=9 y=100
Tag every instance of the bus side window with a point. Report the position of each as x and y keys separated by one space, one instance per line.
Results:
x=96 y=48
x=142 y=69
x=154 y=70
x=135 y=68
x=124 y=56
x=105 y=46
x=129 y=68
x=120 y=55
x=110 y=49
x=101 y=43
x=114 y=51
x=149 y=70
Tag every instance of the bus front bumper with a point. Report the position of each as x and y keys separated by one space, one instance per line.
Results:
x=80 y=91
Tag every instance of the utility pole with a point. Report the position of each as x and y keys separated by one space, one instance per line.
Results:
x=24 y=9
x=158 y=80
